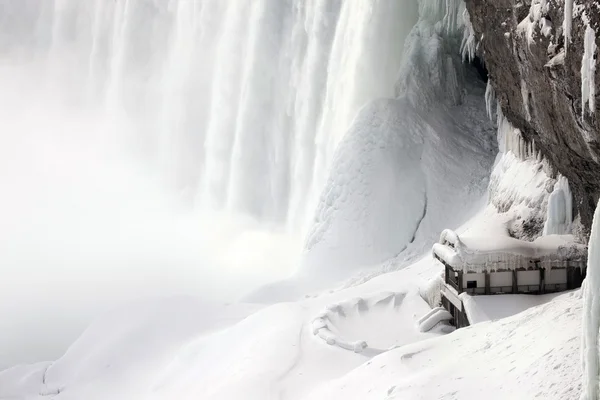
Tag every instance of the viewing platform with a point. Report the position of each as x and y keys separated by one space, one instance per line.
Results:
x=504 y=265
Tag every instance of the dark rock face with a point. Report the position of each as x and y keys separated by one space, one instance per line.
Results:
x=541 y=95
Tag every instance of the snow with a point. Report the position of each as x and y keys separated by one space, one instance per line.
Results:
x=437 y=317
x=491 y=308
x=405 y=169
x=477 y=252
x=591 y=315
x=536 y=20
x=504 y=359
x=376 y=323
x=22 y=381
x=273 y=352
x=588 y=72
x=557 y=60
x=519 y=190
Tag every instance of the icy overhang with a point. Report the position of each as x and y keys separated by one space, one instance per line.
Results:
x=492 y=253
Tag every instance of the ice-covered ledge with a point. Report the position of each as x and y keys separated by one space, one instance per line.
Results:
x=480 y=254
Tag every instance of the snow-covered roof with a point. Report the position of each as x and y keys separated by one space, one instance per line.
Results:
x=481 y=253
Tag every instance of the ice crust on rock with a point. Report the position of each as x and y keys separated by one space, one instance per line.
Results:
x=591 y=315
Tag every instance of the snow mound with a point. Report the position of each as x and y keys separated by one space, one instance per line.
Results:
x=379 y=322
x=499 y=360
x=22 y=382
x=434 y=318
x=375 y=196
x=125 y=348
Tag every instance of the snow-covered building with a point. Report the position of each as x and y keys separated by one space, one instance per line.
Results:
x=504 y=265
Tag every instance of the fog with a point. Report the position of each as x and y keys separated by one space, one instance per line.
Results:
x=159 y=147
x=88 y=224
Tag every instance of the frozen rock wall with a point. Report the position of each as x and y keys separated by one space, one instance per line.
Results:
x=538 y=83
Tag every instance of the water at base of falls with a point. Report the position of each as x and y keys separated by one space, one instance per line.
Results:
x=239 y=104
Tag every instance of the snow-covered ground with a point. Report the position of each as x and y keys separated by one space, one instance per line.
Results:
x=352 y=323
x=165 y=350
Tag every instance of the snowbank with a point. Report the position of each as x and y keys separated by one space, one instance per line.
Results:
x=499 y=360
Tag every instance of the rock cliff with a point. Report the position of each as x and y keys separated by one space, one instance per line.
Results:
x=537 y=80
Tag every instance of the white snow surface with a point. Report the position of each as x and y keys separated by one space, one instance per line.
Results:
x=475 y=251
x=495 y=307
x=504 y=359
x=274 y=354
x=375 y=323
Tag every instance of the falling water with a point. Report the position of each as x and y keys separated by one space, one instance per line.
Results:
x=239 y=103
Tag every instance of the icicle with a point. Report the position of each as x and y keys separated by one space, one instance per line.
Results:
x=591 y=315
x=588 y=71
x=468 y=46
x=490 y=98
x=451 y=17
x=431 y=9
x=500 y=122
x=568 y=22
x=560 y=209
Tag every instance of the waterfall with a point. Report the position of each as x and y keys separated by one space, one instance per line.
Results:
x=241 y=103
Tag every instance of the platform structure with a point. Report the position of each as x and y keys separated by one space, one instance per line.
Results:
x=512 y=267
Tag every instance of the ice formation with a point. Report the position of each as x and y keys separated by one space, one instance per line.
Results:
x=560 y=209
x=588 y=72
x=511 y=139
x=490 y=99
x=469 y=42
x=568 y=23
x=480 y=253
x=385 y=187
x=591 y=316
